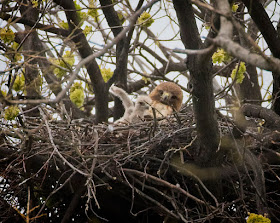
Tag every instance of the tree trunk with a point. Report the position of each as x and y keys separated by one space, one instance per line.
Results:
x=120 y=72
x=98 y=84
x=260 y=17
x=249 y=90
x=201 y=83
x=31 y=73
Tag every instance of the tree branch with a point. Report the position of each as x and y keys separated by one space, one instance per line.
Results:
x=272 y=120
x=245 y=55
x=35 y=24
x=260 y=17
x=224 y=40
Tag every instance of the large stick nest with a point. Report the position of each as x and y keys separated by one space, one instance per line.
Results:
x=144 y=165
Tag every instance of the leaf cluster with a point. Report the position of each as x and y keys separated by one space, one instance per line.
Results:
x=257 y=218
x=239 y=75
x=7 y=35
x=77 y=95
x=66 y=62
x=11 y=112
x=145 y=19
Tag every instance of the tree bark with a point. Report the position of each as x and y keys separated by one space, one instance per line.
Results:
x=260 y=17
x=99 y=86
x=31 y=73
x=249 y=90
x=201 y=83
x=120 y=72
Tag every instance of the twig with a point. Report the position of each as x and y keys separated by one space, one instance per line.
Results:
x=28 y=205
x=194 y=52
x=90 y=183
x=55 y=147
x=172 y=186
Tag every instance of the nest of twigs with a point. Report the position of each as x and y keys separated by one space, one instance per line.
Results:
x=129 y=166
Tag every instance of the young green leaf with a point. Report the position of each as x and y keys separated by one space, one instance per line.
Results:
x=239 y=75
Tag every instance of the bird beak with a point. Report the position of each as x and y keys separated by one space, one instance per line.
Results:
x=165 y=96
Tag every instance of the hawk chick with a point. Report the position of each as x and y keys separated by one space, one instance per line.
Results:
x=133 y=112
x=141 y=108
x=166 y=98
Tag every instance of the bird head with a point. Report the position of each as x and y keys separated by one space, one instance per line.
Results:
x=168 y=93
x=143 y=102
x=165 y=97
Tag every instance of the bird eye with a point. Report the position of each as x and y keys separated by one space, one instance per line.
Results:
x=160 y=92
x=174 y=97
x=142 y=103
